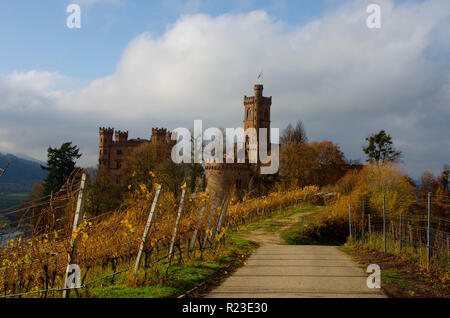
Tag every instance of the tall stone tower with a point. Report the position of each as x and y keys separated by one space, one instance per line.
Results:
x=106 y=140
x=257 y=113
x=223 y=177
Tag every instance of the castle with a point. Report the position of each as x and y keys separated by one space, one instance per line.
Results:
x=112 y=153
x=219 y=177
x=223 y=177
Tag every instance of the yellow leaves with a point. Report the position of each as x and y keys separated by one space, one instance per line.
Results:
x=221 y=234
x=151 y=174
x=129 y=187
x=26 y=259
x=127 y=224
x=112 y=235
x=143 y=188
x=133 y=174
x=6 y=262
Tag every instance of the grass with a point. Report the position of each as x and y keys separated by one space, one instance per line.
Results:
x=156 y=291
x=272 y=224
x=399 y=277
x=180 y=278
x=11 y=200
x=392 y=277
x=296 y=235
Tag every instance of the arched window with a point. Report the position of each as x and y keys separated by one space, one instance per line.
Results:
x=249 y=114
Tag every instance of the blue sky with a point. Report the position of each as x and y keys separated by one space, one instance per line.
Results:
x=139 y=64
x=35 y=35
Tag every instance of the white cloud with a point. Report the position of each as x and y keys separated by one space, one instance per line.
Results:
x=87 y=3
x=342 y=79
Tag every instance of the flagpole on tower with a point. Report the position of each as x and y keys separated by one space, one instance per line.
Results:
x=259 y=79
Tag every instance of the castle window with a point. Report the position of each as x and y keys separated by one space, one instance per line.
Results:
x=249 y=114
x=266 y=115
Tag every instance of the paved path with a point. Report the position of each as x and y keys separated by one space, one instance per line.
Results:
x=277 y=270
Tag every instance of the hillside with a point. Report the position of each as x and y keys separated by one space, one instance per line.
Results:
x=18 y=180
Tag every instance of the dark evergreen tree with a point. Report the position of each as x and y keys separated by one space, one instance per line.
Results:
x=60 y=164
x=379 y=148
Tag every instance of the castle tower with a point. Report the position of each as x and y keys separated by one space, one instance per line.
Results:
x=257 y=113
x=160 y=136
x=106 y=140
x=121 y=136
x=222 y=177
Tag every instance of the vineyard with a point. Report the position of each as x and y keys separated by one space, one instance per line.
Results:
x=420 y=238
x=150 y=232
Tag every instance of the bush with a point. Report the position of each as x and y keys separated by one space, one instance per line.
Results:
x=317 y=200
x=326 y=231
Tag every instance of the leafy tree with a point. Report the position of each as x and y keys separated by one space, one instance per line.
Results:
x=195 y=172
x=316 y=163
x=102 y=194
x=296 y=161
x=379 y=148
x=444 y=178
x=439 y=192
x=291 y=134
x=329 y=163
x=152 y=163
x=60 y=164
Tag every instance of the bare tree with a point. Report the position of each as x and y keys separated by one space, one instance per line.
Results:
x=291 y=134
x=2 y=171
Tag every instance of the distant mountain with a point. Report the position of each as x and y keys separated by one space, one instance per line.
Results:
x=21 y=174
x=22 y=156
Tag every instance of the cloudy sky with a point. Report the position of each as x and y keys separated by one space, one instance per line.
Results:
x=134 y=65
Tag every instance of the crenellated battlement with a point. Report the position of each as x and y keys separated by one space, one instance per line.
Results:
x=106 y=131
x=227 y=166
x=161 y=135
x=159 y=131
x=121 y=136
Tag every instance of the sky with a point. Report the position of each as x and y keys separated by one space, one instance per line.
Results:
x=134 y=65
